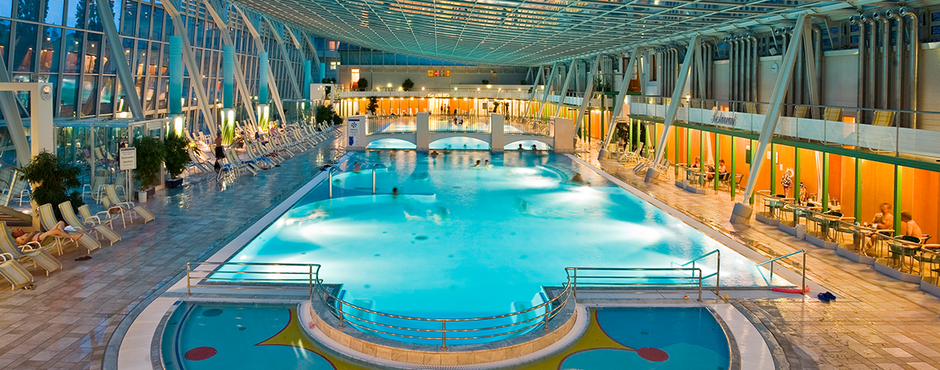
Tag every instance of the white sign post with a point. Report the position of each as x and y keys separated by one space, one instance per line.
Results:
x=127 y=162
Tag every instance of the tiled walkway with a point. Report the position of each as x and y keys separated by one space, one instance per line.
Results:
x=71 y=317
x=879 y=323
x=67 y=321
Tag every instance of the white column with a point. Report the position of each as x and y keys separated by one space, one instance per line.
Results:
x=742 y=211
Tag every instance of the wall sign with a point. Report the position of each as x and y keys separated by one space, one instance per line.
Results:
x=128 y=158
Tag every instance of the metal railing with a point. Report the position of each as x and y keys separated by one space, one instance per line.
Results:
x=623 y=277
x=422 y=328
x=251 y=275
x=802 y=267
x=716 y=274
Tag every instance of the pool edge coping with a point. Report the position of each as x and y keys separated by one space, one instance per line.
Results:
x=146 y=325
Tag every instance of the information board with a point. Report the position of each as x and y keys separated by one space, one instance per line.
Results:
x=128 y=157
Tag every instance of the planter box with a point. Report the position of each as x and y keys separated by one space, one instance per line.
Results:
x=891 y=272
x=174 y=183
x=855 y=257
x=926 y=286
x=766 y=220
x=820 y=243
x=799 y=231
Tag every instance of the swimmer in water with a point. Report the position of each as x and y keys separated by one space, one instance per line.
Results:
x=395 y=191
x=446 y=151
x=357 y=167
x=520 y=147
x=434 y=153
x=487 y=164
x=477 y=164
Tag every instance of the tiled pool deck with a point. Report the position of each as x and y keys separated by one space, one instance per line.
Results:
x=73 y=319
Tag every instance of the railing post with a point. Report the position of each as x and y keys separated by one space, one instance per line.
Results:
x=341 y=313
x=187 y=279
x=310 y=277
x=803 y=283
x=771 y=273
x=718 y=277
x=443 y=335
x=574 y=289
x=699 y=285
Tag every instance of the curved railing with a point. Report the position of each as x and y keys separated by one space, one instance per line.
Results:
x=445 y=329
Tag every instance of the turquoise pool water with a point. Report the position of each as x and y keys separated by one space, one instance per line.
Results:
x=201 y=336
x=465 y=241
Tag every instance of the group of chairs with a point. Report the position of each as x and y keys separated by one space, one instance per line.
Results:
x=270 y=151
x=93 y=228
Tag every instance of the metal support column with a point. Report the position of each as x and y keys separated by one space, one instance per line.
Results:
x=259 y=44
x=673 y=107
x=538 y=78
x=287 y=62
x=858 y=190
x=588 y=91
x=733 y=181
x=194 y=73
x=742 y=212
x=824 y=198
x=240 y=80
x=316 y=58
x=120 y=60
x=11 y=114
x=715 y=159
x=564 y=87
x=548 y=88
x=619 y=102
x=773 y=167
x=797 y=164
x=898 y=192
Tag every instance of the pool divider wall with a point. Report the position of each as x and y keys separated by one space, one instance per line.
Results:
x=510 y=350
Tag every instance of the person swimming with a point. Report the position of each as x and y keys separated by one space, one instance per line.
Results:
x=487 y=164
x=477 y=164
x=395 y=191
x=434 y=153
x=446 y=151
x=520 y=147
x=534 y=148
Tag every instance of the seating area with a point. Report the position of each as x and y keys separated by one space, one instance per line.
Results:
x=108 y=208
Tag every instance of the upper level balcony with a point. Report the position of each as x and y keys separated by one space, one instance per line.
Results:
x=843 y=130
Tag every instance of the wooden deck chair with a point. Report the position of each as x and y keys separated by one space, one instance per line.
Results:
x=115 y=210
x=91 y=244
x=48 y=222
x=15 y=273
x=883 y=118
x=32 y=251
x=144 y=214
x=68 y=213
x=833 y=114
x=112 y=196
x=800 y=111
x=750 y=108
x=101 y=218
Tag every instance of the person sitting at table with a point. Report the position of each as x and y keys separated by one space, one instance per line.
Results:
x=722 y=171
x=883 y=220
x=787 y=182
x=804 y=196
x=709 y=172
x=696 y=163
x=909 y=227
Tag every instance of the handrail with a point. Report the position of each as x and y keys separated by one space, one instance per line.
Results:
x=717 y=273
x=772 y=260
x=667 y=281
x=338 y=308
x=202 y=272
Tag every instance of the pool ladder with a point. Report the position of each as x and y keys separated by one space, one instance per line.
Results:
x=802 y=267
x=716 y=274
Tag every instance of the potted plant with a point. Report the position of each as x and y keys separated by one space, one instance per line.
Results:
x=176 y=157
x=52 y=179
x=362 y=84
x=149 y=158
x=407 y=85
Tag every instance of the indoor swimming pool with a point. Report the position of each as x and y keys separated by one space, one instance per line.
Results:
x=462 y=240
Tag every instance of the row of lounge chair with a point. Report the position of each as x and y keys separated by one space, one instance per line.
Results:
x=93 y=226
